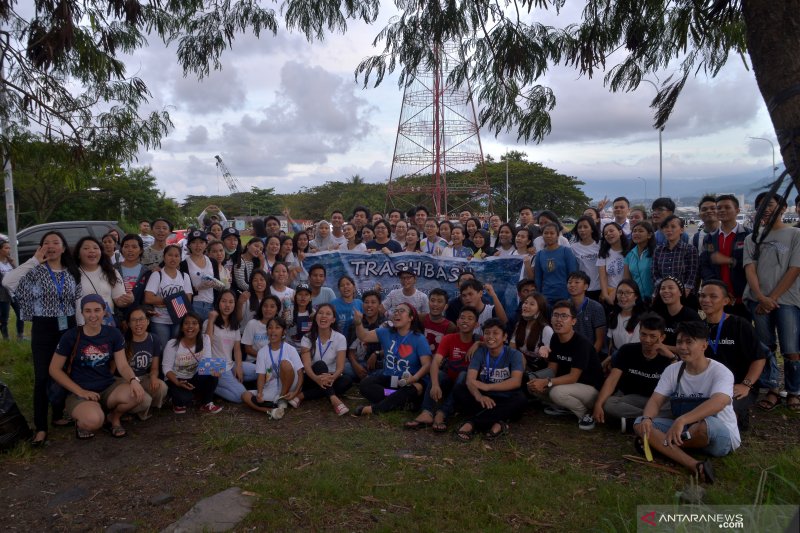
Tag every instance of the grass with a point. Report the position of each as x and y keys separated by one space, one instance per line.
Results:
x=315 y=471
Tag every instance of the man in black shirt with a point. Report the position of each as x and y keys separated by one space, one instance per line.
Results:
x=732 y=341
x=634 y=375
x=576 y=367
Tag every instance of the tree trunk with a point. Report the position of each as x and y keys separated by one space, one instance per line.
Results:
x=773 y=41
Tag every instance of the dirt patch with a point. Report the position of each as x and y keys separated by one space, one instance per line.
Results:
x=89 y=485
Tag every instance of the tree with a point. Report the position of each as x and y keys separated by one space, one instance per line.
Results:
x=318 y=202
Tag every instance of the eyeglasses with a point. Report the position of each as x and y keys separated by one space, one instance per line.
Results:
x=625 y=293
x=561 y=316
x=136 y=320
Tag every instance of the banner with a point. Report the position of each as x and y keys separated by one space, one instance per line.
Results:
x=432 y=272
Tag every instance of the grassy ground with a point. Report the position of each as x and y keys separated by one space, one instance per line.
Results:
x=315 y=471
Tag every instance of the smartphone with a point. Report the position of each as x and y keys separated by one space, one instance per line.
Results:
x=686 y=435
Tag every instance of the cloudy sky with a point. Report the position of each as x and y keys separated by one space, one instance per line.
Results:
x=284 y=113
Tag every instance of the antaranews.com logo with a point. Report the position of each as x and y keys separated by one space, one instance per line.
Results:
x=702 y=518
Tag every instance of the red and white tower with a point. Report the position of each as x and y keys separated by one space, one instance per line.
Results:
x=438 y=135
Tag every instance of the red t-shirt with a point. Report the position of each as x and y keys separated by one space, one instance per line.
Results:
x=454 y=352
x=434 y=331
x=726 y=248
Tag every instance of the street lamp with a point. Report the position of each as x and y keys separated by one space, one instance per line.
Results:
x=645 y=188
x=774 y=168
x=660 y=153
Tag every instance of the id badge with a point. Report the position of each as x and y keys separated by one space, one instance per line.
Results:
x=62 y=323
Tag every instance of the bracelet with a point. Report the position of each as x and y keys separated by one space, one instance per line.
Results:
x=647 y=418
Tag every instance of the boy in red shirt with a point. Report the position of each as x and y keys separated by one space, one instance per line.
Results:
x=449 y=367
x=435 y=324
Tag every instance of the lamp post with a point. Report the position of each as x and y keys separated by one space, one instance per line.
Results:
x=773 y=154
x=508 y=200
x=645 y=188
x=660 y=152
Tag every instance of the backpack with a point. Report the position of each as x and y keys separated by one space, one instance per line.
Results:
x=13 y=426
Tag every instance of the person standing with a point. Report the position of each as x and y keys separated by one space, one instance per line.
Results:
x=46 y=287
x=7 y=301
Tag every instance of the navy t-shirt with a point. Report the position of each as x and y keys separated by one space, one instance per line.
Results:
x=91 y=368
x=402 y=352
x=143 y=353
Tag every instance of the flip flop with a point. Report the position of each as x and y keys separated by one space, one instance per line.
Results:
x=768 y=404
x=417 y=424
x=793 y=402
x=705 y=472
x=465 y=435
x=439 y=427
x=83 y=434
x=492 y=435
x=117 y=432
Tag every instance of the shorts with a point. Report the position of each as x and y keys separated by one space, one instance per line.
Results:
x=719 y=438
x=74 y=401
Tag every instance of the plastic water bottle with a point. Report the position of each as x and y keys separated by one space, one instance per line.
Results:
x=217 y=283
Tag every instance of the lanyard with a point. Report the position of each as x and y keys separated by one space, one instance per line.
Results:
x=583 y=304
x=320 y=351
x=489 y=368
x=276 y=370
x=715 y=344
x=430 y=246
x=59 y=285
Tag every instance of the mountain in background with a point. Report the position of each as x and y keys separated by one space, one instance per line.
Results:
x=683 y=191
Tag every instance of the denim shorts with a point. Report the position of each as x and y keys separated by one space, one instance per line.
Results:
x=719 y=438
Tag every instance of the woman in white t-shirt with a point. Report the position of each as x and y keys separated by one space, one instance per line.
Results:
x=223 y=330
x=99 y=277
x=586 y=249
x=254 y=336
x=280 y=374
x=280 y=288
x=611 y=261
x=623 y=323
x=162 y=284
x=201 y=270
x=323 y=353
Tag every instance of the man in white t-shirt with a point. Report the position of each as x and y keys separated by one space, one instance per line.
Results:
x=408 y=294
x=700 y=391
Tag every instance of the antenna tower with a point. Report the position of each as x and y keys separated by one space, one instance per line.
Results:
x=438 y=134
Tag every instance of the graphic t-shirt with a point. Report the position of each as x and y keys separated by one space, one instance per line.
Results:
x=639 y=374
x=163 y=285
x=686 y=314
x=577 y=352
x=615 y=267
x=326 y=351
x=143 y=353
x=586 y=256
x=434 y=331
x=184 y=361
x=402 y=352
x=454 y=351
x=496 y=369
x=91 y=368
x=738 y=346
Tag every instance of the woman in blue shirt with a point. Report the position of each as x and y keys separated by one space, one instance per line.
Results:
x=552 y=266
x=639 y=260
x=407 y=359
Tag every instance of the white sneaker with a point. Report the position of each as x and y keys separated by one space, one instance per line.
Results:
x=295 y=402
x=586 y=423
x=277 y=413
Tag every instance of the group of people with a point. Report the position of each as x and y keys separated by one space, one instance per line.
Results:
x=608 y=325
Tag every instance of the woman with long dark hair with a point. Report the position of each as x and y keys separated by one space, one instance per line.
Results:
x=222 y=329
x=250 y=300
x=532 y=333
x=182 y=357
x=639 y=260
x=586 y=248
x=611 y=261
x=623 y=322
x=98 y=276
x=46 y=286
x=670 y=303
x=247 y=262
x=407 y=359
x=162 y=284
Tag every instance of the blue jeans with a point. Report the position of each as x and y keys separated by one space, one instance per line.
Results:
x=164 y=332
x=786 y=320
x=202 y=309
x=5 y=311
x=229 y=388
x=719 y=437
x=448 y=403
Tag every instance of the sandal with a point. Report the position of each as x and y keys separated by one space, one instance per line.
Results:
x=770 y=401
x=492 y=435
x=117 y=432
x=40 y=443
x=439 y=427
x=83 y=434
x=793 y=402
x=417 y=424
x=705 y=472
x=465 y=435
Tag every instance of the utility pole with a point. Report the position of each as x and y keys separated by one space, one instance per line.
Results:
x=8 y=178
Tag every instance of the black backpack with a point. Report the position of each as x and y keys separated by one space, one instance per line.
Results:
x=13 y=426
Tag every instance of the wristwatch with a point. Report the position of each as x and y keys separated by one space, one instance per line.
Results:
x=549 y=383
x=747 y=383
x=134 y=378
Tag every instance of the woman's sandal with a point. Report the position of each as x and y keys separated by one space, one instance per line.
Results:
x=117 y=432
x=492 y=435
x=83 y=434
x=793 y=402
x=770 y=401
x=465 y=435
x=417 y=424
x=439 y=427
x=705 y=472
x=41 y=442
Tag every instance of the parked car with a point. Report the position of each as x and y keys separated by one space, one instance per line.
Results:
x=177 y=236
x=29 y=238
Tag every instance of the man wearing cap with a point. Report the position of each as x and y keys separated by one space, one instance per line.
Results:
x=203 y=272
x=408 y=294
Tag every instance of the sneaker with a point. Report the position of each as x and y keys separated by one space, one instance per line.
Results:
x=211 y=408
x=283 y=404
x=295 y=402
x=552 y=410
x=586 y=423
x=179 y=409
x=341 y=409
x=277 y=413
x=626 y=425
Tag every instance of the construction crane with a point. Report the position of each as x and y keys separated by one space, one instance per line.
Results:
x=233 y=183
